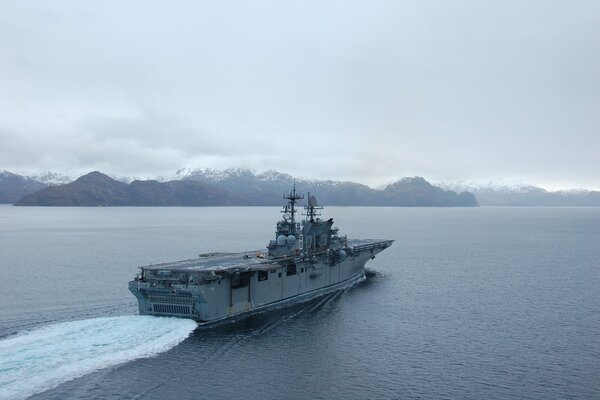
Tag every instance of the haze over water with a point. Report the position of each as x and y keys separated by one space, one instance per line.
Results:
x=471 y=303
x=345 y=90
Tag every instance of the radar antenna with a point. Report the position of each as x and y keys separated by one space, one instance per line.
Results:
x=290 y=209
x=312 y=209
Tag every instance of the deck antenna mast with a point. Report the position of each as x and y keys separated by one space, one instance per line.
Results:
x=312 y=209
x=291 y=208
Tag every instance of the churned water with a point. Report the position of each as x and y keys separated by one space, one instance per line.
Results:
x=47 y=356
x=470 y=303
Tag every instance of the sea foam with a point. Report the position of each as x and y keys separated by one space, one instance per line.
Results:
x=40 y=359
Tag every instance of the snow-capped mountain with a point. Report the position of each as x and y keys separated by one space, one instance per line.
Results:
x=220 y=175
x=240 y=178
x=522 y=194
x=498 y=186
x=14 y=186
x=267 y=187
x=53 y=178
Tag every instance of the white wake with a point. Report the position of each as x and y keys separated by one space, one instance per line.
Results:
x=37 y=360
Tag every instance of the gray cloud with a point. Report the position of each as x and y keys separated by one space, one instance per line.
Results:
x=367 y=91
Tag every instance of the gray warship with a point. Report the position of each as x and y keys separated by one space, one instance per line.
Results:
x=306 y=259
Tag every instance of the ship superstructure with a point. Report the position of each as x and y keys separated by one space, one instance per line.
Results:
x=304 y=260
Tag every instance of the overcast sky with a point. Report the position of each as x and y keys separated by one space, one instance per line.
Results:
x=368 y=91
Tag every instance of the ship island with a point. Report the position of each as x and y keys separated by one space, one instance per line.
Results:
x=305 y=260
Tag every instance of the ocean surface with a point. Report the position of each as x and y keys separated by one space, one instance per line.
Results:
x=469 y=303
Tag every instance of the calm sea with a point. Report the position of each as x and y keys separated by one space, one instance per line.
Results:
x=469 y=303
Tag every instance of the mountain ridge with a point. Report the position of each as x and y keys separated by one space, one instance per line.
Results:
x=524 y=195
x=240 y=189
x=266 y=188
x=14 y=186
x=98 y=189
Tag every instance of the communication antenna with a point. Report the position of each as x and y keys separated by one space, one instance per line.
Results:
x=312 y=209
x=290 y=210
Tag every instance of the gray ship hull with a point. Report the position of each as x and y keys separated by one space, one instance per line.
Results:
x=304 y=260
x=219 y=286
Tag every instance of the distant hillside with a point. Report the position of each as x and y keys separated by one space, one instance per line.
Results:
x=528 y=195
x=53 y=178
x=238 y=187
x=266 y=188
x=97 y=189
x=418 y=192
x=244 y=187
x=13 y=186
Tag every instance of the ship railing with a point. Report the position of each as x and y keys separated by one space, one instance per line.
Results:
x=369 y=246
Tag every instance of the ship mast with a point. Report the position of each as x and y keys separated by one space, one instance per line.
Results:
x=312 y=209
x=292 y=197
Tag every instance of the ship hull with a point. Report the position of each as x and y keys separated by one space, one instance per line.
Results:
x=274 y=285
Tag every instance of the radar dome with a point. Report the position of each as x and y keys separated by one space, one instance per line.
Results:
x=342 y=255
x=291 y=240
x=281 y=240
